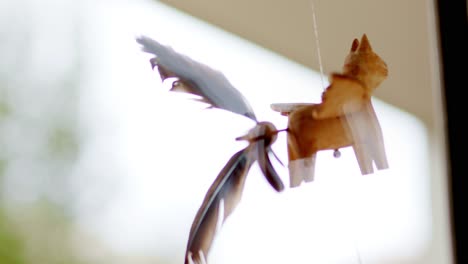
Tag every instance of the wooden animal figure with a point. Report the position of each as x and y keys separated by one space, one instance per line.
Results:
x=345 y=117
x=226 y=190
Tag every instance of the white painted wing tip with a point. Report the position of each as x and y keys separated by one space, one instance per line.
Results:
x=201 y=255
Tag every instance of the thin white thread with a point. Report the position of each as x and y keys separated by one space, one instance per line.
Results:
x=358 y=253
x=317 y=42
x=356 y=246
x=353 y=233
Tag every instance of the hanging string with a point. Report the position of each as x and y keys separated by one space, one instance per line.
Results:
x=317 y=42
x=353 y=233
x=359 y=256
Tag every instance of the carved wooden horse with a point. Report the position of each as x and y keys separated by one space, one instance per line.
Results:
x=345 y=117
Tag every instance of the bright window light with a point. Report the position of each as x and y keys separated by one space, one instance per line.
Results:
x=163 y=151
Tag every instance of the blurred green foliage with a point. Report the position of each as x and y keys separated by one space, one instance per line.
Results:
x=47 y=232
x=4 y=108
x=40 y=77
x=11 y=246
x=2 y=168
x=62 y=142
x=38 y=230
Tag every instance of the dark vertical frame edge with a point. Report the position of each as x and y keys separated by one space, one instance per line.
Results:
x=453 y=28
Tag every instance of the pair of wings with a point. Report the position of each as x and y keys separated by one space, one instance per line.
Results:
x=224 y=194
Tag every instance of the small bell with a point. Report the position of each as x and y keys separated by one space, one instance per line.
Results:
x=336 y=153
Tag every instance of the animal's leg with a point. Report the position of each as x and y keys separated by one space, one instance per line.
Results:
x=295 y=178
x=368 y=139
x=362 y=133
x=380 y=157
x=300 y=168
x=378 y=153
x=378 y=148
x=309 y=168
x=363 y=155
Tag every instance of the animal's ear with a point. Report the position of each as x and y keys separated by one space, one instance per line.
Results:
x=365 y=45
x=354 y=45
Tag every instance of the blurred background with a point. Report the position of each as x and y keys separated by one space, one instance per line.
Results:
x=100 y=164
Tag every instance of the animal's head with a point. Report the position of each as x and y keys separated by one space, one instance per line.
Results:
x=363 y=64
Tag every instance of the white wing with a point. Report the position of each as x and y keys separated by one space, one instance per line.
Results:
x=197 y=78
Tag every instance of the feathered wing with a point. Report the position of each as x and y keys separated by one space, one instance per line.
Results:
x=220 y=201
x=267 y=168
x=344 y=95
x=196 y=78
x=263 y=151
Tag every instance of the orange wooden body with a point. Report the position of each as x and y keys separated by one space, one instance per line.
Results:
x=344 y=118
